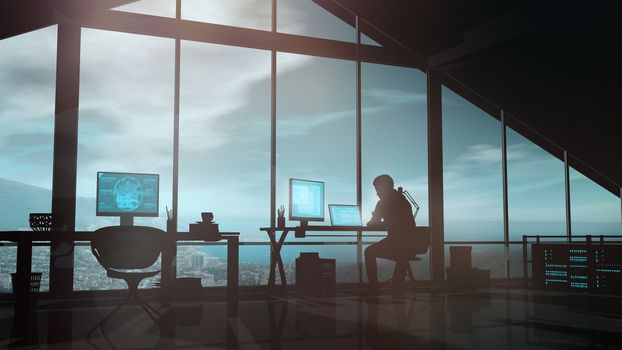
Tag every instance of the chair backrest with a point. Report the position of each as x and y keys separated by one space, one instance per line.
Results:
x=421 y=239
x=127 y=247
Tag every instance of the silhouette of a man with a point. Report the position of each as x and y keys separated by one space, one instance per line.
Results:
x=394 y=212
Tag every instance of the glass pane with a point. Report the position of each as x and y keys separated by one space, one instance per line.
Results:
x=27 y=94
x=472 y=171
x=8 y=258
x=370 y=35
x=394 y=133
x=255 y=14
x=316 y=127
x=89 y=274
x=304 y=17
x=516 y=260
x=126 y=117
x=594 y=210
x=536 y=199
x=254 y=265
x=41 y=263
x=209 y=263
x=224 y=161
x=162 y=8
x=365 y=40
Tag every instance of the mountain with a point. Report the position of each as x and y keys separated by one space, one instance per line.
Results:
x=18 y=200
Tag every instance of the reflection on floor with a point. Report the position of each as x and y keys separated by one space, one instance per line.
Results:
x=486 y=319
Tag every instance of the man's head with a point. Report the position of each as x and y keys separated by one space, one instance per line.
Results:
x=384 y=185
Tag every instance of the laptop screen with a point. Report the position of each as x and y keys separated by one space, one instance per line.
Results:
x=344 y=215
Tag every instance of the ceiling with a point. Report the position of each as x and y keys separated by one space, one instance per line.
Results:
x=554 y=67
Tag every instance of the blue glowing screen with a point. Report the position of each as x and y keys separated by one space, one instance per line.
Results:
x=127 y=194
x=306 y=200
x=344 y=215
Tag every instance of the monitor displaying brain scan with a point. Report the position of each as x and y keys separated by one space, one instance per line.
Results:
x=127 y=194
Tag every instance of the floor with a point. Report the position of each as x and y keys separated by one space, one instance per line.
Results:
x=496 y=318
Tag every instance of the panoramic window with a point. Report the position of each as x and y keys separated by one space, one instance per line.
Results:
x=594 y=210
x=394 y=141
x=125 y=125
x=316 y=140
x=27 y=94
x=536 y=199
x=472 y=179
x=224 y=157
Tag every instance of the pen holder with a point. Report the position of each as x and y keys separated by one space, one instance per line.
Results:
x=280 y=222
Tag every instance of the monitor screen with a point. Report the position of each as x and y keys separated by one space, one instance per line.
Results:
x=344 y=215
x=306 y=200
x=120 y=194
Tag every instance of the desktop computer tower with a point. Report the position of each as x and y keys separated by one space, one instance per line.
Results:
x=315 y=276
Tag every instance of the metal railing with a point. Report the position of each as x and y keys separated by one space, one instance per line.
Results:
x=353 y=243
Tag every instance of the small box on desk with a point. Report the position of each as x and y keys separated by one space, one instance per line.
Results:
x=208 y=229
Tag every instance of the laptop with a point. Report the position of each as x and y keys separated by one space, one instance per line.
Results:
x=344 y=215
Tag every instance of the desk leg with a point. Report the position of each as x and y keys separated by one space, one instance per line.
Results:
x=275 y=258
x=279 y=259
x=233 y=248
x=23 y=270
x=273 y=254
x=168 y=273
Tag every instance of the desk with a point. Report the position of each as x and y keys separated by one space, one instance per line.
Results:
x=276 y=245
x=24 y=241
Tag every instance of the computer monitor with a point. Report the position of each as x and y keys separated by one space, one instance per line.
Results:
x=306 y=200
x=127 y=194
x=344 y=215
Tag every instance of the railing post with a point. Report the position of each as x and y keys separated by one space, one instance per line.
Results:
x=504 y=168
x=525 y=266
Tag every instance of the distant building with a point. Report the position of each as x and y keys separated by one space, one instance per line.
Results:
x=197 y=261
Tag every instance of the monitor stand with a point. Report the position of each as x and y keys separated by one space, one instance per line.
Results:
x=127 y=220
x=301 y=232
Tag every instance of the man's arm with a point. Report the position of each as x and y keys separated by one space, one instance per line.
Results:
x=376 y=216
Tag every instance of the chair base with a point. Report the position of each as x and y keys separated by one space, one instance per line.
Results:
x=397 y=282
x=132 y=282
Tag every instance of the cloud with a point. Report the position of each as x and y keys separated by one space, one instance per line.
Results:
x=393 y=96
x=480 y=155
x=27 y=94
x=302 y=125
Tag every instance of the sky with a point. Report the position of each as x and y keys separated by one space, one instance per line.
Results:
x=126 y=124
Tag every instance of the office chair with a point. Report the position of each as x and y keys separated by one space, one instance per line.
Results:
x=121 y=250
x=419 y=242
